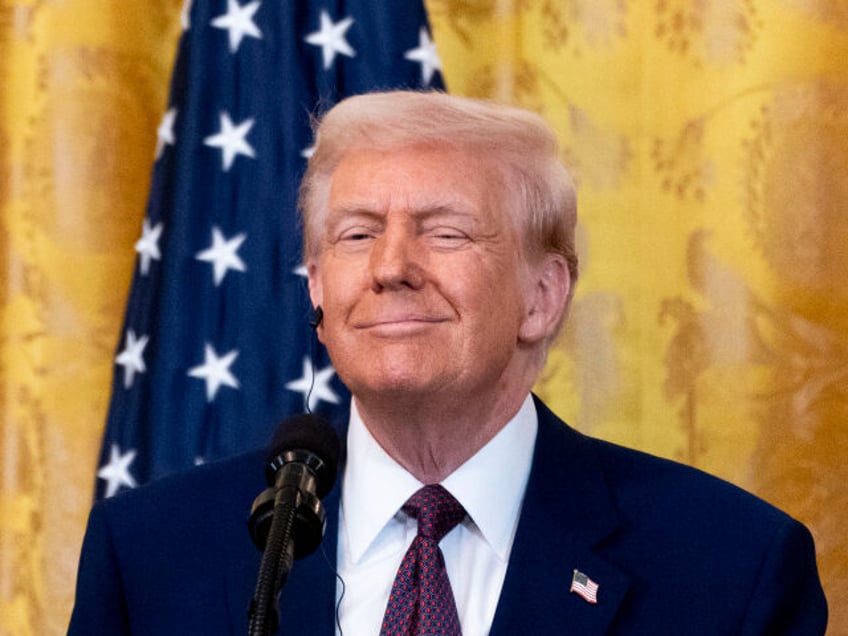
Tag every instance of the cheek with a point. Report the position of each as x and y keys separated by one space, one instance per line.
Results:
x=339 y=284
x=494 y=304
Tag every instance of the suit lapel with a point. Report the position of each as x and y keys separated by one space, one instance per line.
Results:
x=567 y=511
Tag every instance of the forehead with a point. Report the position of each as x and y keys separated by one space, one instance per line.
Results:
x=420 y=177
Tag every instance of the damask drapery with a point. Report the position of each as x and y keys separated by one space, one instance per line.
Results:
x=709 y=139
x=82 y=89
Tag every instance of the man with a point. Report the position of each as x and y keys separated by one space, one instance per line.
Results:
x=439 y=242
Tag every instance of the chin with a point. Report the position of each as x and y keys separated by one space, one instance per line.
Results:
x=396 y=383
x=398 y=369
x=405 y=385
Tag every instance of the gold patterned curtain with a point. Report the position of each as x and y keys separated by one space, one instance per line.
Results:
x=83 y=84
x=710 y=140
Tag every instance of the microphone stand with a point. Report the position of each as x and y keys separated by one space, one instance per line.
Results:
x=277 y=560
x=287 y=520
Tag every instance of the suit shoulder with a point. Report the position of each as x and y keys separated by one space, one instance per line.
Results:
x=224 y=488
x=640 y=476
x=646 y=486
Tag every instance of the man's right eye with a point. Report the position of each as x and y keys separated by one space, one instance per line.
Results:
x=355 y=235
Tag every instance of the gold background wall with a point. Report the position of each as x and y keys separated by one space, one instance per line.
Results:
x=83 y=84
x=710 y=141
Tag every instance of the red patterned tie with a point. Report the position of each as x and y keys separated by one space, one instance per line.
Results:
x=421 y=601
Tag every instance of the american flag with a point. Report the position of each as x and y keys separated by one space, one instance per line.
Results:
x=216 y=347
x=584 y=587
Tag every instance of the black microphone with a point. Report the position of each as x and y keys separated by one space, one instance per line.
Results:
x=317 y=317
x=287 y=519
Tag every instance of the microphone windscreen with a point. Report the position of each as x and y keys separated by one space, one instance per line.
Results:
x=310 y=433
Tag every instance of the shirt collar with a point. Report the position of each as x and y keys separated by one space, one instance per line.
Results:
x=490 y=485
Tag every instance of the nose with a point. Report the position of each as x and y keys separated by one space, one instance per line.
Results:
x=395 y=260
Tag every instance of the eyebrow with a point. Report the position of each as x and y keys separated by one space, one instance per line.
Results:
x=424 y=212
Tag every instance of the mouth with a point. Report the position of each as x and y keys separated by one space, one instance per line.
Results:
x=399 y=325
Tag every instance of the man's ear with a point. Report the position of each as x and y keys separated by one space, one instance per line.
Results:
x=547 y=298
x=316 y=288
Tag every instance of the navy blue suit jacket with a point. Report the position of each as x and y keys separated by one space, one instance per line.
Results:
x=673 y=550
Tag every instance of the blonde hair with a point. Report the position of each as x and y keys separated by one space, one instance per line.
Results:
x=539 y=193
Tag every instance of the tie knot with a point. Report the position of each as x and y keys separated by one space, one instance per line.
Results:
x=436 y=510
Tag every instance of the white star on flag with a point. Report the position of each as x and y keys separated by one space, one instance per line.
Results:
x=317 y=389
x=132 y=357
x=165 y=131
x=222 y=255
x=426 y=55
x=185 y=15
x=238 y=20
x=117 y=471
x=215 y=371
x=301 y=270
x=231 y=140
x=148 y=245
x=331 y=38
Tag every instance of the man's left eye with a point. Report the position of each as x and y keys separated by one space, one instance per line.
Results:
x=447 y=238
x=448 y=234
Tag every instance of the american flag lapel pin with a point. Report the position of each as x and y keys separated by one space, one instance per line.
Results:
x=584 y=587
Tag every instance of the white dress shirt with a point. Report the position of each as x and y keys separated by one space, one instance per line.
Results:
x=374 y=533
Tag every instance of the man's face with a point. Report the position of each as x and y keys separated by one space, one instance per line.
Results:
x=420 y=275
